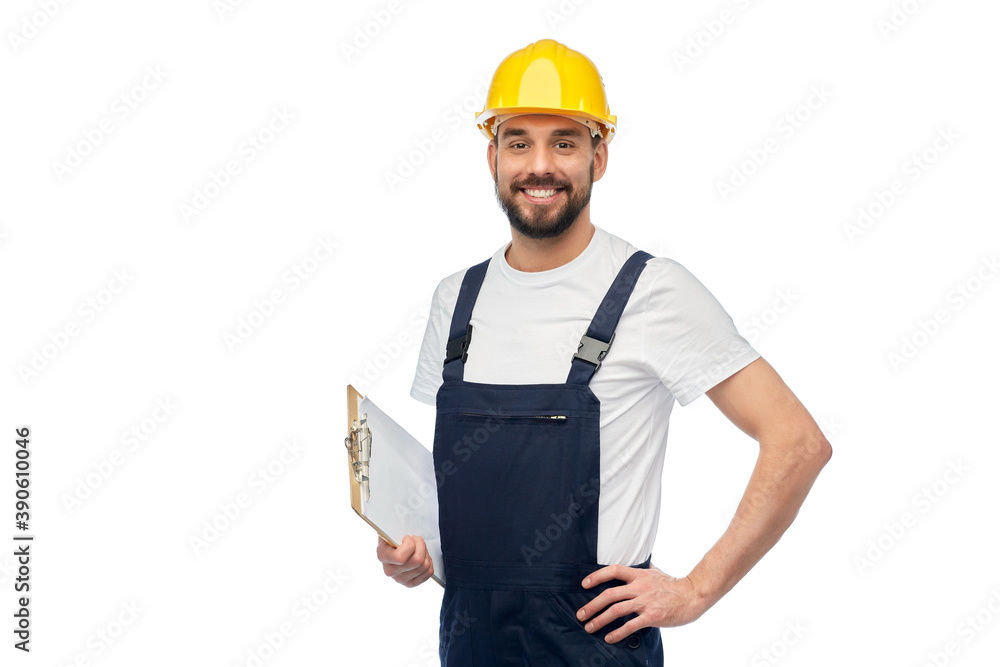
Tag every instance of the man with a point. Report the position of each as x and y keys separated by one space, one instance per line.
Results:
x=554 y=366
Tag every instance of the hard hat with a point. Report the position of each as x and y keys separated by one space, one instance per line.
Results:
x=551 y=78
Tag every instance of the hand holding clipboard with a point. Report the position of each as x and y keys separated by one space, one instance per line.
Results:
x=393 y=486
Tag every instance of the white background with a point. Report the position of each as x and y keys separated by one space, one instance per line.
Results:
x=896 y=428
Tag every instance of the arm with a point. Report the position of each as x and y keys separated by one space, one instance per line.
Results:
x=792 y=452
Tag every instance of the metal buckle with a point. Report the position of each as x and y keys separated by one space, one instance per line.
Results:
x=593 y=350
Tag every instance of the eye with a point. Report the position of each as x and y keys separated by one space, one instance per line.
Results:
x=519 y=144
x=564 y=144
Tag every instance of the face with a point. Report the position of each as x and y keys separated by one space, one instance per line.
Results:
x=544 y=168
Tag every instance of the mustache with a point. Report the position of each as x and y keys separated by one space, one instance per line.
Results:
x=540 y=183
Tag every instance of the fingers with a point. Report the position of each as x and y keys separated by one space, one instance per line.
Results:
x=395 y=555
x=420 y=550
x=607 y=597
x=621 y=633
x=610 y=573
x=617 y=610
x=425 y=573
x=408 y=564
x=418 y=566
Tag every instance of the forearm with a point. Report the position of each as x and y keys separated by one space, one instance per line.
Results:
x=782 y=477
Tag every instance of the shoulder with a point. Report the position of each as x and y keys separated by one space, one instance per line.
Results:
x=671 y=286
x=446 y=293
x=668 y=288
x=659 y=275
x=620 y=250
x=665 y=274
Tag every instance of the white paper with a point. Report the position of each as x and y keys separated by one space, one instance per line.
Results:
x=403 y=499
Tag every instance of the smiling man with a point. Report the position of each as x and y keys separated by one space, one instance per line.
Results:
x=554 y=366
x=533 y=218
x=546 y=193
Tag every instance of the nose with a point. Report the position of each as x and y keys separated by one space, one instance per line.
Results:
x=541 y=161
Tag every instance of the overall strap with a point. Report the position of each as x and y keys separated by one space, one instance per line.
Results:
x=595 y=344
x=460 y=334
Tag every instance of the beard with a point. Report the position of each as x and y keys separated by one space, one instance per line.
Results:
x=544 y=221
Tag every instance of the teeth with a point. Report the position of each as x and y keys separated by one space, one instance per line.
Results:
x=541 y=194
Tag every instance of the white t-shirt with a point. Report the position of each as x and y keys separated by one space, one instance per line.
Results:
x=674 y=341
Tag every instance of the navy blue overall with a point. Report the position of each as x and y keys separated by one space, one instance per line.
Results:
x=518 y=473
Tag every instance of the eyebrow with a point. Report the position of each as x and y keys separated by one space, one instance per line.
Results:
x=561 y=132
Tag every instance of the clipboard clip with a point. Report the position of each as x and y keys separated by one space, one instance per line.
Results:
x=359 y=448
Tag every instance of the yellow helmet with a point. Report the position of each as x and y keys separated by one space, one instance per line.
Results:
x=547 y=77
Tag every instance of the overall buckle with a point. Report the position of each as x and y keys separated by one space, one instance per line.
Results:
x=459 y=347
x=593 y=350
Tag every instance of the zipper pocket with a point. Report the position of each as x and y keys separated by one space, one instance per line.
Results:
x=559 y=418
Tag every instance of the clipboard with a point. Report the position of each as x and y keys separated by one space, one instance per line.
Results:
x=392 y=480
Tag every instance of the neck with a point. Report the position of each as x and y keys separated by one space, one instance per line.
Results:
x=530 y=255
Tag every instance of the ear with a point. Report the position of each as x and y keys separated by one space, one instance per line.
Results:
x=491 y=156
x=600 y=159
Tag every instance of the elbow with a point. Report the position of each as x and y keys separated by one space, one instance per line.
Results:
x=820 y=449
x=804 y=451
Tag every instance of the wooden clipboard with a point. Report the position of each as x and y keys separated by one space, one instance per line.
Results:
x=394 y=491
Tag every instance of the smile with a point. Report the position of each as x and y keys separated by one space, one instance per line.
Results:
x=541 y=195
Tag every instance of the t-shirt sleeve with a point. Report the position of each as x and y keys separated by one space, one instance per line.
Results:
x=428 y=378
x=689 y=341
